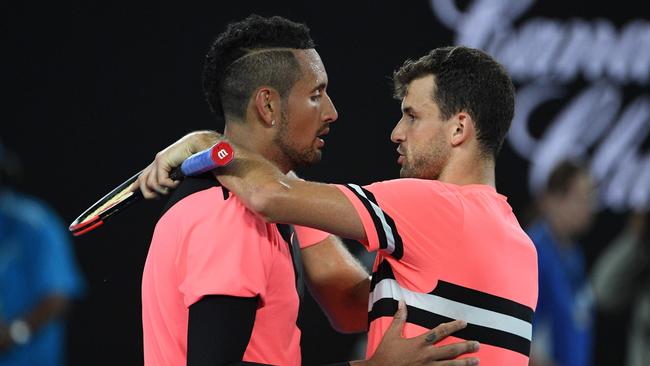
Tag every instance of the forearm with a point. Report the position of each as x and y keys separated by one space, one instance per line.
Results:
x=339 y=283
x=349 y=312
x=278 y=198
x=200 y=140
x=318 y=205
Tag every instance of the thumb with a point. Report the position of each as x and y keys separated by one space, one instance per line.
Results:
x=396 y=326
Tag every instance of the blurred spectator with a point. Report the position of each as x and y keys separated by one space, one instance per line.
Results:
x=563 y=324
x=621 y=277
x=38 y=277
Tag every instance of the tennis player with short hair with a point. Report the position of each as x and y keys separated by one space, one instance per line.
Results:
x=221 y=285
x=448 y=243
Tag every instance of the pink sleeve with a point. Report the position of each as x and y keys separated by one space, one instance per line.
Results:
x=388 y=208
x=228 y=253
x=371 y=243
x=308 y=236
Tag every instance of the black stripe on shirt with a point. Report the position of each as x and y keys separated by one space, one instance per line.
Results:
x=288 y=233
x=383 y=271
x=398 y=252
x=429 y=320
x=483 y=300
x=464 y=295
x=381 y=235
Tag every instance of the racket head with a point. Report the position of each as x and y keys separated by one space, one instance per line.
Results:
x=115 y=201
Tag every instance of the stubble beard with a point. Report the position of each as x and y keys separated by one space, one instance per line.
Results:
x=427 y=165
x=296 y=155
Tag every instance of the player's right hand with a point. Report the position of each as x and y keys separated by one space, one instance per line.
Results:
x=421 y=350
x=154 y=180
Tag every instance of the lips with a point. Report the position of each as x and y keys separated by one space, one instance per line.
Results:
x=401 y=157
x=324 y=132
x=320 y=142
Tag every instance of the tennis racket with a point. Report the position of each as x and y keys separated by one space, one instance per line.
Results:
x=122 y=197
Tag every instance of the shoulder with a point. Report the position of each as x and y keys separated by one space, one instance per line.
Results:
x=203 y=196
x=203 y=210
x=407 y=187
x=410 y=191
x=410 y=183
x=209 y=209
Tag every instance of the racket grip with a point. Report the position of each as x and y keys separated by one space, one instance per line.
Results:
x=220 y=154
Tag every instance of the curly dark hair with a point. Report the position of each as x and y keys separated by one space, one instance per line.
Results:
x=249 y=53
x=469 y=80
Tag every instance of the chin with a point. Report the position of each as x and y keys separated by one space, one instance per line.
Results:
x=310 y=159
x=316 y=156
x=406 y=173
x=315 y=159
x=417 y=174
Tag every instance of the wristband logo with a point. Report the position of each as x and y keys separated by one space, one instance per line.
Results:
x=549 y=59
x=222 y=154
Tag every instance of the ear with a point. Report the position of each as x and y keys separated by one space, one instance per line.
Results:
x=267 y=105
x=462 y=128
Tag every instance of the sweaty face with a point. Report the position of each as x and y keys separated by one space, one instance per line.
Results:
x=423 y=148
x=307 y=113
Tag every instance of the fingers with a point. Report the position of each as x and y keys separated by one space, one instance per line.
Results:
x=473 y=361
x=454 y=350
x=148 y=183
x=142 y=185
x=135 y=185
x=157 y=177
x=162 y=167
x=152 y=181
x=443 y=331
x=163 y=178
x=395 y=328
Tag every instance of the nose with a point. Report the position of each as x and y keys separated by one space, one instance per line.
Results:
x=397 y=136
x=330 y=114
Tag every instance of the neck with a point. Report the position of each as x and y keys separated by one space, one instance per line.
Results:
x=255 y=139
x=464 y=170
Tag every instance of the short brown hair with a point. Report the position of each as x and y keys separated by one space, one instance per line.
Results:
x=469 y=80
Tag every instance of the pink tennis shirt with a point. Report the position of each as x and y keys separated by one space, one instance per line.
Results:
x=208 y=245
x=451 y=252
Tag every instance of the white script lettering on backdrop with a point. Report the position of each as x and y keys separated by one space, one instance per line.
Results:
x=543 y=56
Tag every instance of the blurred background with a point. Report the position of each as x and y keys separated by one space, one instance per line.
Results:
x=92 y=90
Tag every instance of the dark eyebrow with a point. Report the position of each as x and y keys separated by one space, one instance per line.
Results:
x=408 y=110
x=320 y=86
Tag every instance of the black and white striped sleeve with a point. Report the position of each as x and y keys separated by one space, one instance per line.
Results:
x=381 y=230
